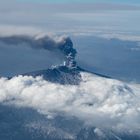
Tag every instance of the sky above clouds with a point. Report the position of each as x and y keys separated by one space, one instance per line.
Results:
x=86 y=1
x=43 y=7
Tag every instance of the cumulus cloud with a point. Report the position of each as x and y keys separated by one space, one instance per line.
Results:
x=99 y=102
x=10 y=30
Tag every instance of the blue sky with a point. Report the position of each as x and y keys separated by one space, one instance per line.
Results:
x=87 y=1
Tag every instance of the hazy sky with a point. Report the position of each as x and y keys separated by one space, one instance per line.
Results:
x=51 y=6
x=87 y=1
x=67 y=15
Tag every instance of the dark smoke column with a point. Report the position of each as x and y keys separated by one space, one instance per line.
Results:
x=69 y=52
x=63 y=46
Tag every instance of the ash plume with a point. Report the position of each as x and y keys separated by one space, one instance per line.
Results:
x=60 y=45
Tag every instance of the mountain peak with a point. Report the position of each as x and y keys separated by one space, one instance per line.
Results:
x=60 y=74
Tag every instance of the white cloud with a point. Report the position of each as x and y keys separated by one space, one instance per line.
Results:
x=100 y=102
x=102 y=32
x=9 y=30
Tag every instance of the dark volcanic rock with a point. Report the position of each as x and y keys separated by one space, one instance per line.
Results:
x=61 y=74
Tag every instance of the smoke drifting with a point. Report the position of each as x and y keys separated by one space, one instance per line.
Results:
x=59 y=45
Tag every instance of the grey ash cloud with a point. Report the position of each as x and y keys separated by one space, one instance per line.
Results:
x=62 y=46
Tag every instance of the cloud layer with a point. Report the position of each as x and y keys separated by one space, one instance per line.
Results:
x=100 y=102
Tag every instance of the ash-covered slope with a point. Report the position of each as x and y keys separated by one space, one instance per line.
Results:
x=69 y=72
x=60 y=74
